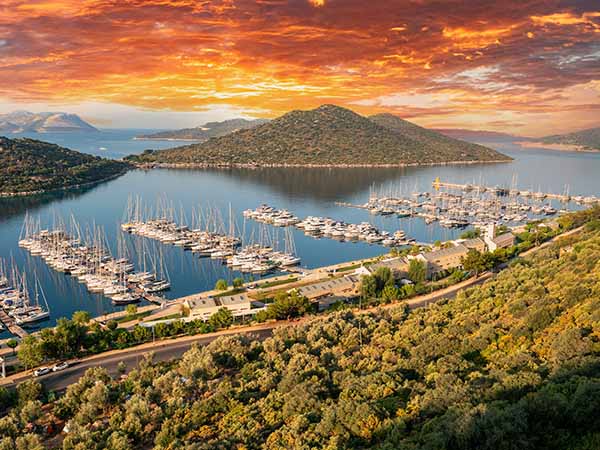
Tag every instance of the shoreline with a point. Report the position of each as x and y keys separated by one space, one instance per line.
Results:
x=557 y=147
x=151 y=165
x=138 y=138
x=64 y=188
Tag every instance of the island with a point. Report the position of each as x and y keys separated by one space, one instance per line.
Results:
x=29 y=166
x=328 y=136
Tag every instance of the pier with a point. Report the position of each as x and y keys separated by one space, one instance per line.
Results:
x=12 y=326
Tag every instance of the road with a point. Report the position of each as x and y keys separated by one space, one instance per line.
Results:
x=163 y=351
x=170 y=349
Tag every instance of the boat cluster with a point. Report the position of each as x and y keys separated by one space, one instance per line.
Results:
x=452 y=210
x=252 y=258
x=17 y=302
x=272 y=216
x=327 y=227
x=94 y=266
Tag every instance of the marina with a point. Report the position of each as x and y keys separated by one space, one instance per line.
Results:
x=318 y=193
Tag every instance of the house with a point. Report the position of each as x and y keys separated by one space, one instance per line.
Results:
x=474 y=244
x=346 y=287
x=440 y=260
x=398 y=266
x=203 y=307
x=505 y=240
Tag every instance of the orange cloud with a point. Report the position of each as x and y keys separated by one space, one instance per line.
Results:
x=275 y=55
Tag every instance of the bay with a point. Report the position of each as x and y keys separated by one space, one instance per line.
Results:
x=303 y=191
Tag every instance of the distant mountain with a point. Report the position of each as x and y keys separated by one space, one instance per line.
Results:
x=479 y=135
x=585 y=139
x=450 y=148
x=29 y=166
x=206 y=131
x=326 y=136
x=24 y=121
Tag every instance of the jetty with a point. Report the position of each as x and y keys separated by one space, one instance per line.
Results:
x=11 y=325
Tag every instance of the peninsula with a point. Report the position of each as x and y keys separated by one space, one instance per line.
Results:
x=204 y=132
x=29 y=166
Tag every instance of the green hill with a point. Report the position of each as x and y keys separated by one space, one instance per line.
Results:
x=512 y=364
x=206 y=131
x=588 y=139
x=453 y=149
x=31 y=166
x=328 y=135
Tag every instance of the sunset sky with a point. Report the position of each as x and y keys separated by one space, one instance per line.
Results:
x=524 y=67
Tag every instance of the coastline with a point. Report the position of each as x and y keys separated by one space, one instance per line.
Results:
x=139 y=138
x=151 y=165
x=557 y=147
x=64 y=188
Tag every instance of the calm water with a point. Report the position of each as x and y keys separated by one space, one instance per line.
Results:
x=109 y=143
x=305 y=192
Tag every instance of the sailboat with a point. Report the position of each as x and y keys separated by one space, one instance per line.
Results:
x=36 y=313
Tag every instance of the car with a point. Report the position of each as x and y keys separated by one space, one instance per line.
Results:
x=41 y=371
x=60 y=366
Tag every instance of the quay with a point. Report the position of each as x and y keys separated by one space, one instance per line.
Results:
x=12 y=326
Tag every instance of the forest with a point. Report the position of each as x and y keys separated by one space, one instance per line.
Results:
x=511 y=364
x=31 y=166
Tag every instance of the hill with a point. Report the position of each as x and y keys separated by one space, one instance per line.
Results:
x=585 y=139
x=31 y=166
x=511 y=364
x=206 y=131
x=24 y=121
x=326 y=136
x=480 y=135
x=448 y=146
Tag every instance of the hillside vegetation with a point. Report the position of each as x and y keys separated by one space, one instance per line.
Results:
x=513 y=364
x=328 y=135
x=206 y=131
x=588 y=139
x=28 y=165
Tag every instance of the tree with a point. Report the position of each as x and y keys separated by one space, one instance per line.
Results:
x=221 y=319
x=81 y=317
x=131 y=310
x=288 y=305
x=121 y=367
x=238 y=282
x=471 y=234
x=477 y=262
x=221 y=285
x=390 y=293
x=30 y=352
x=417 y=271
x=112 y=325
x=383 y=277
x=12 y=343
x=368 y=287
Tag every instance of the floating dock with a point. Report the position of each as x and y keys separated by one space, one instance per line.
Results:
x=12 y=326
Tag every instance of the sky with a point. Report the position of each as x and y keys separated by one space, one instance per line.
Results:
x=518 y=66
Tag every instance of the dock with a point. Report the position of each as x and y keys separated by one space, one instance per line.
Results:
x=12 y=326
x=156 y=299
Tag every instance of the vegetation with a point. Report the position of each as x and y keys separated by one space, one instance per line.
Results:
x=286 y=305
x=512 y=364
x=207 y=131
x=588 y=139
x=28 y=166
x=221 y=285
x=328 y=135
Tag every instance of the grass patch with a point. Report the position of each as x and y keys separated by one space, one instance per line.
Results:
x=137 y=316
x=271 y=284
x=229 y=292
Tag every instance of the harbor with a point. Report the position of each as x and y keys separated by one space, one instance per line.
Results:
x=318 y=193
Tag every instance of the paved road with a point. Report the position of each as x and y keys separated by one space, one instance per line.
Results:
x=163 y=351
